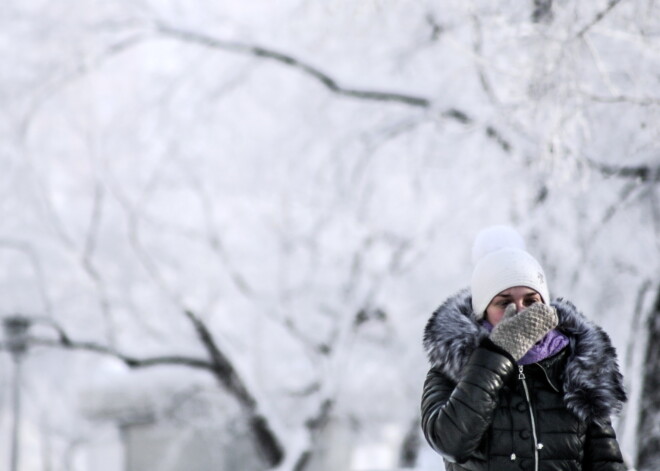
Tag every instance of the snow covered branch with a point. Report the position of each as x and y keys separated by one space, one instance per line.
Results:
x=315 y=426
x=288 y=60
x=133 y=362
x=82 y=69
x=643 y=173
x=328 y=81
x=602 y=14
x=219 y=365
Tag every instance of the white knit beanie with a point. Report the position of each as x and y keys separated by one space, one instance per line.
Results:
x=501 y=262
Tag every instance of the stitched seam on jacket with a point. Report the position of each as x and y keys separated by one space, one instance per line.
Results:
x=467 y=405
x=478 y=386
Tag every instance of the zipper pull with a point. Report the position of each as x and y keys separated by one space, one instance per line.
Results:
x=521 y=375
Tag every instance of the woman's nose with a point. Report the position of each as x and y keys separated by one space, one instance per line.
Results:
x=519 y=305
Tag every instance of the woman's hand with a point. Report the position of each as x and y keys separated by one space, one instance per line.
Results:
x=516 y=333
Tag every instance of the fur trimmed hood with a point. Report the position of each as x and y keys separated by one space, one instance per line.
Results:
x=591 y=382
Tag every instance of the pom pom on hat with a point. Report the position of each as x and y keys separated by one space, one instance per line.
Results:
x=501 y=262
x=495 y=238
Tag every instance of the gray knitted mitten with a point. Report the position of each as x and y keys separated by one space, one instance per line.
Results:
x=517 y=333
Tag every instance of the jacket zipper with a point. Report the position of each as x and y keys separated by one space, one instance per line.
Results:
x=521 y=377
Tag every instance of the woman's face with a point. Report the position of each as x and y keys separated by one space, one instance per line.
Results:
x=521 y=296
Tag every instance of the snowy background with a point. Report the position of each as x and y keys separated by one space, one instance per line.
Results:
x=222 y=214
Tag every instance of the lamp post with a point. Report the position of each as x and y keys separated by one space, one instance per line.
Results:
x=16 y=330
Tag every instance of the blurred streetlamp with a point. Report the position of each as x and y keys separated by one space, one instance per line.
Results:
x=16 y=339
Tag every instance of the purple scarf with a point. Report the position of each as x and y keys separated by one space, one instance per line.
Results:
x=552 y=343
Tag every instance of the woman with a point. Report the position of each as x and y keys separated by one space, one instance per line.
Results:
x=517 y=383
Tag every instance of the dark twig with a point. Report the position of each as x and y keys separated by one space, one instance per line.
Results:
x=130 y=361
x=315 y=425
x=222 y=366
x=264 y=437
x=542 y=12
x=641 y=101
x=80 y=70
x=643 y=173
x=286 y=59
x=611 y=4
x=219 y=365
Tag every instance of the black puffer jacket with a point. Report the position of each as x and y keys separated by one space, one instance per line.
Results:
x=481 y=411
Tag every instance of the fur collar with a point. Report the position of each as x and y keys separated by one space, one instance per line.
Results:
x=591 y=381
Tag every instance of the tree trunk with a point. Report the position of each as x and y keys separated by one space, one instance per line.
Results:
x=648 y=454
x=410 y=447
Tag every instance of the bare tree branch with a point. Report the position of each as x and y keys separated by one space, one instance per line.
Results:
x=212 y=239
x=265 y=439
x=79 y=71
x=83 y=254
x=222 y=366
x=132 y=362
x=642 y=173
x=219 y=365
x=542 y=12
x=286 y=59
x=94 y=222
x=315 y=426
x=641 y=101
x=90 y=268
x=610 y=5
x=436 y=28
x=626 y=193
x=308 y=390
x=481 y=72
x=64 y=340
x=212 y=235
x=495 y=135
x=215 y=243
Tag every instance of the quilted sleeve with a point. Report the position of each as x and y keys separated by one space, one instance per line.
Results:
x=456 y=416
x=602 y=451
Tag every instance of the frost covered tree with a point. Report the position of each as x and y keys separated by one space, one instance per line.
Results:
x=280 y=193
x=648 y=456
